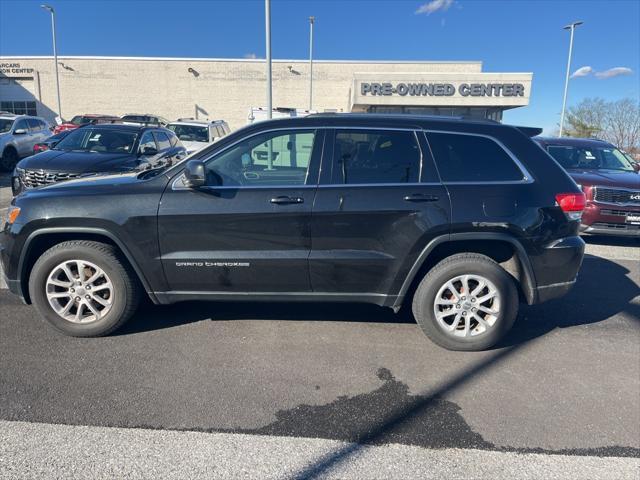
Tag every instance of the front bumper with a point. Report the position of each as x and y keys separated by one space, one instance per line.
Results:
x=610 y=219
x=8 y=259
x=17 y=187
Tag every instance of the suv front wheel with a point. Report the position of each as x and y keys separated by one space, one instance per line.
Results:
x=466 y=302
x=83 y=288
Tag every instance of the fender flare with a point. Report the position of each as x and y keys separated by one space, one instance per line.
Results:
x=91 y=230
x=528 y=286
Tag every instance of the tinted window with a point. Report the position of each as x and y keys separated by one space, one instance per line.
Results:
x=190 y=133
x=375 y=156
x=274 y=158
x=173 y=139
x=163 y=141
x=22 y=124
x=470 y=158
x=34 y=125
x=98 y=140
x=590 y=158
x=5 y=125
x=147 y=141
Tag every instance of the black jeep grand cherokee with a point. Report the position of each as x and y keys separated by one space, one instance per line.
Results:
x=460 y=219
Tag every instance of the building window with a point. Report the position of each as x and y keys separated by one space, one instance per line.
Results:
x=19 y=107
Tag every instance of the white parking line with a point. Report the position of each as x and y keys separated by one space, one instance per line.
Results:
x=32 y=450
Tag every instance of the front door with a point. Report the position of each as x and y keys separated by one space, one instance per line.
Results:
x=378 y=204
x=247 y=230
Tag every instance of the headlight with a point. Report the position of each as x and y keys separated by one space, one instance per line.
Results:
x=19 y=172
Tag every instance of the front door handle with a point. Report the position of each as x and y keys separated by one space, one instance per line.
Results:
x=420 y=197
x=283 y=200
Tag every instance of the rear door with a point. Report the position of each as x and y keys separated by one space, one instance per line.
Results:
x=248 y=230
x=378 y=204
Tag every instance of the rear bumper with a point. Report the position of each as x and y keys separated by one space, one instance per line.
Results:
x=556 y=267
x=557 y=290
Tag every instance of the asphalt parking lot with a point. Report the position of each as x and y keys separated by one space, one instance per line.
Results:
x=338 y=391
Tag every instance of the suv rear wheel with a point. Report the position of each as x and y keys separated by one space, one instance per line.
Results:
x=466 y=302
x=83 y=288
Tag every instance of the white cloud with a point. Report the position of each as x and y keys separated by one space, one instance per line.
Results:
x=434 y=6
x=582 y=72
x=250 y=55
x=614 y=72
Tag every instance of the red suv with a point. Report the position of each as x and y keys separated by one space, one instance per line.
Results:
x=86 y=119
x=609 y=180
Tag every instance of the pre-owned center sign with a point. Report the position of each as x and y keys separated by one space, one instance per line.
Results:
x=443 y=89
x=14 y=69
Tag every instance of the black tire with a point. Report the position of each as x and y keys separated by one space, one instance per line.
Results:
x=126 y=290
x=9 y=159
x=452 y=267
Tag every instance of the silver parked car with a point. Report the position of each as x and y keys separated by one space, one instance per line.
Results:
x=18 y=135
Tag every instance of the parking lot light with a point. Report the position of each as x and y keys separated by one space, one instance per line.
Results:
x=50 y=9
x=571 y=27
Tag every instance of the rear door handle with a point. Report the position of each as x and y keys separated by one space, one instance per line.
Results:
x=420 y=197
x=283 y=200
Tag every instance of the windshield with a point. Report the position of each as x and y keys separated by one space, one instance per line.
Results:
x=590 y=158
x=5 y=125
x=190 y=133
x=79 y=120
x=98 y=140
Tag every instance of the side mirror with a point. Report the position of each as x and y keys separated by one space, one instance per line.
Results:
x=20 y=131
x=149 y=151
x=636 y=167
x=194 y=175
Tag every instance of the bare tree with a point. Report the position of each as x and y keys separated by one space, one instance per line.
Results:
x=617 y=122
x=623 y=124
x=588 y=118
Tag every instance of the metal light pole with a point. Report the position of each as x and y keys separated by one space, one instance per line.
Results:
x=311 y=21
x=55 y=52
x=267 y=26
x=267 y=20
x=571 y=27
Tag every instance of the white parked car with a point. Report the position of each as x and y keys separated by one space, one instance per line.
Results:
x=18 y=135
x=260 y=114
x=197 y=134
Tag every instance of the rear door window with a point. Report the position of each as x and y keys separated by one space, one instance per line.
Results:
x=34 y=125
x=375 y=156
x=472 y=158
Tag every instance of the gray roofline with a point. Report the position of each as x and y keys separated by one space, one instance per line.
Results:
x=255 y=60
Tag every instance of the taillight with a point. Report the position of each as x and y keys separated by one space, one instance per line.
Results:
x=572 y=204
x=40 y=147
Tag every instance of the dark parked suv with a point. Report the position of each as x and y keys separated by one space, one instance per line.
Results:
x=461 y=220
x=98 y=149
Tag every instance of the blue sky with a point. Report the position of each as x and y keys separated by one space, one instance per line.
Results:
x=507 y=36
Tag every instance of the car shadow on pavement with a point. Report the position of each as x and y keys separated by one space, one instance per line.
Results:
x=603 y=290
x=611 y=241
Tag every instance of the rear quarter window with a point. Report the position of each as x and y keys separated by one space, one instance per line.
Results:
x=472 y=158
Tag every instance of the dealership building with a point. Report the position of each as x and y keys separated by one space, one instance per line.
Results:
x=229 y=88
